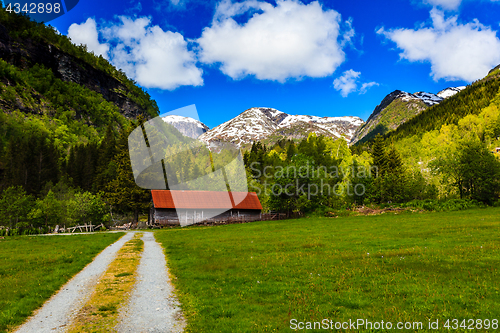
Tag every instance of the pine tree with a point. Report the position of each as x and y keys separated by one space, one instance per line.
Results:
x=122 y=192
x=291 y=151
x=379 y=156
x=394 y=162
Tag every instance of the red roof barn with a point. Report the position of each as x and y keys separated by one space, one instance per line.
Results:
x=189 y=207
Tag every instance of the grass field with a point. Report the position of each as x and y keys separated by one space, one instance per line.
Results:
x=34 y=268
x=257 y=277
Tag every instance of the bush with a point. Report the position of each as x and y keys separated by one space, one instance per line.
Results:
x=442 y=206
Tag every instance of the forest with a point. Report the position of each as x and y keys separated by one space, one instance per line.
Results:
x=62 y=144
x=64 y=155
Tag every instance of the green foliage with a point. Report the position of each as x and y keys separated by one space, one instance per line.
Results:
x=395 y=114
x=473 y=170
x=32 y=160
x=23 y=30
x=68 y=102
x=54 y=130
x=14 y=206
x=87 y=208
x=58 y=205
x=443 y=205
x=379 y=156
x=48 y=211
x=122 y=192
x=469 y=101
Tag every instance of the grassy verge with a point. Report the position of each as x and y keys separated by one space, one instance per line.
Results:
x=33 y=268
x=257 y=277
x=100 y=314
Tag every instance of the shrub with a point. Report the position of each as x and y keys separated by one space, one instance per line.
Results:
x=441 y=206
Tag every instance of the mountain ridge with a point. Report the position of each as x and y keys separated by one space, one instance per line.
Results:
x=398 y=107
x=265 y=123
x=261 y=123
x=188 y=126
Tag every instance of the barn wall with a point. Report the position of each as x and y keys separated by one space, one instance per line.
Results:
x=166 y=216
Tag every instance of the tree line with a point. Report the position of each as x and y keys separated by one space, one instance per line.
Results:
x=42 y=188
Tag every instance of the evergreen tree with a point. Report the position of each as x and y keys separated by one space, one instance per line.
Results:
x=291 y=151
x=122 y=192
x=379 y=156
x=394 y=177
x=31 y=162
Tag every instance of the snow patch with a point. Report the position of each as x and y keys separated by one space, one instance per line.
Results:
x=179 y=119
x=448 y=92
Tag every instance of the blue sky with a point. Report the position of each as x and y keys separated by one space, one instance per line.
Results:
x=322 y=58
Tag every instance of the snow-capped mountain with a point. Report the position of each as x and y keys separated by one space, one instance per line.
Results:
x=432 y=99
x=398 y=107
x=187 y=126
x=264 y=123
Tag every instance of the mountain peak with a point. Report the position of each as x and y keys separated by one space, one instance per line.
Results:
x=262 y=123
x=448 y=92
x=398 y=107
x=187 y=126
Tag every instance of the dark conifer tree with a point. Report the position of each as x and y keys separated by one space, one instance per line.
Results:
x=379 y=155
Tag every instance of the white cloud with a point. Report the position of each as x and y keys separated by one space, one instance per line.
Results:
x=448 y=4
x=365 y=86
x=289 y=40
x=153 y=57
x=86 y=34
x=455 y=51
x=445 y=4
x=348 y=83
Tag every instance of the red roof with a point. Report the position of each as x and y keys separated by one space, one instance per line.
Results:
x=205 y=200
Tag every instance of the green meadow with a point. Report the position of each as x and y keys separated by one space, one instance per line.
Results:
x=33 y=268
x=259 y=277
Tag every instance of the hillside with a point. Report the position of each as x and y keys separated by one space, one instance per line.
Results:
x=66 y=113
x=35 y=57
x=470 y=101
x=397 y=108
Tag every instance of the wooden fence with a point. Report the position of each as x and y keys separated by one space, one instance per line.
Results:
x=83 y=228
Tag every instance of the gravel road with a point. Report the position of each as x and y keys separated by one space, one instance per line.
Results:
x=59 y=309
x=152 y=306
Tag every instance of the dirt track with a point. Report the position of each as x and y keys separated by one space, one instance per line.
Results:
x=152 y=306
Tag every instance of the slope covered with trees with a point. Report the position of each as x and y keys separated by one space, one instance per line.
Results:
x=65 y=119
x=450 y=151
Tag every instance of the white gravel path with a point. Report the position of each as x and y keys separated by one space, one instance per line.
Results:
x=59 y=309
x=152 y=306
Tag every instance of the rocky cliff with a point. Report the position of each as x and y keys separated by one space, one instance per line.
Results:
x=37 y=44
